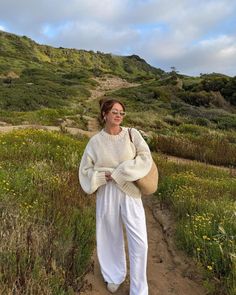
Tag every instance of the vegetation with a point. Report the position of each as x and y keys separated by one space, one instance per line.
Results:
x=54 y=117
x=201 y=131
x=47 y=224
x=47 y=229
x=203 y=200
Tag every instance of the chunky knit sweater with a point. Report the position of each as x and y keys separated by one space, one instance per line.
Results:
x=127 y=161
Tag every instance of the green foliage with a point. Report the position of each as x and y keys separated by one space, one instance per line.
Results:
x=201 y=98
x=47 y=222
x=203 y=200
x=202 y=121
x=145 y=97
x=13 y=46
x=204 y=147
x=229 y=91
x=44 y=85
x=214 y=84
x=23 y=96
x=212 y=117
x=226 y=122
x=51 y=77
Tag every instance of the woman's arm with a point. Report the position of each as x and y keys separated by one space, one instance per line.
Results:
x=90 y=179
x=138 y=167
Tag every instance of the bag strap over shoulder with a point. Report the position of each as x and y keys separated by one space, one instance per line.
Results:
x=130 y=137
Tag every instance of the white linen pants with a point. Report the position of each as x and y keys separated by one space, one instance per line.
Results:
x=113 y=209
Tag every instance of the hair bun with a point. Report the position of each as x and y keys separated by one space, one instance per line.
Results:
x=101 y=101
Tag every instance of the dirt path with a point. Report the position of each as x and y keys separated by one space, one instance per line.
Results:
x=107 y=83
x=175 y=159
x=170 y=272
x=71 y=130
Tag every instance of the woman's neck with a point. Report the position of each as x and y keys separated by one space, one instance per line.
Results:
x=113 y=130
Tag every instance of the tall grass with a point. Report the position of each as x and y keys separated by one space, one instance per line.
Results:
x=198 y=143
x=45 y=117
x=204 y=202
x=47 y=224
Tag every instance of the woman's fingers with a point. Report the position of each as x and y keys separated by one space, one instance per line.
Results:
x=108 y=176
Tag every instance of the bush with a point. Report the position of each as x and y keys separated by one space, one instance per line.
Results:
x=227 y=123
x=202 y=122
x=201 y=98
x=172 y=120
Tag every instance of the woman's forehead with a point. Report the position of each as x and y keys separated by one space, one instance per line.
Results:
x=117 y=106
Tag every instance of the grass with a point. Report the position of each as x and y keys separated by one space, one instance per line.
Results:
x=47 y=223
x=198 y=143
x=44 y=87
x=47 y=229
x=204 y=202
x=53 y=117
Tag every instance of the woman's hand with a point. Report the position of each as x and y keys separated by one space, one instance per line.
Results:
x=108 y=176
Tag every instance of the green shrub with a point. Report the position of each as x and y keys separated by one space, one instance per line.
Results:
x=201 y=98
x=202 y=122
x=226 y=122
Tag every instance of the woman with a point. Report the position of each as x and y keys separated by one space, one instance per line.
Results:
x=110 y=164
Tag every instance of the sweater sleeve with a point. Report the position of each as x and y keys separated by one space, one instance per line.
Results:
x=138 y=167
x=89 y=178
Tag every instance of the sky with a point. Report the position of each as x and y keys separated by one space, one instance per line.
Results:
x=194 y=36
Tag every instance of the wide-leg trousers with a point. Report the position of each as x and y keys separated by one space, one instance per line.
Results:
x=113 y=209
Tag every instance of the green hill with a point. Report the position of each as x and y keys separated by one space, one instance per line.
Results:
x=34 y=76
x=188 y=117
x=19 y=52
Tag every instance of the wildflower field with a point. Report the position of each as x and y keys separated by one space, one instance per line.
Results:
x=203 y=199
x=47 y=227
x=47 y=231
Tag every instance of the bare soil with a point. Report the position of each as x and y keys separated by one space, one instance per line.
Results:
x=107 y=83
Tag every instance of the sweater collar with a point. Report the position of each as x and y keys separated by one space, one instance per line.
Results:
x=114 y=137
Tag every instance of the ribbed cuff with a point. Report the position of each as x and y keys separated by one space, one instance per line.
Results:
x=101 y=179
x=117 y=176
x=130 y=189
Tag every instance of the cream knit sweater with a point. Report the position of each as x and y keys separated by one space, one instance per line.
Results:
x=127 y=161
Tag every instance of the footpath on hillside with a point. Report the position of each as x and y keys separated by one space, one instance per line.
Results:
x=105 y=84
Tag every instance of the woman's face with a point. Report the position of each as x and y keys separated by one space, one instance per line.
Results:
x=115 y=116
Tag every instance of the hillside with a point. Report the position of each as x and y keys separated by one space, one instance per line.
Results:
x=33 y=76
x=43 y=85
x=20 y=52
x=48 y=228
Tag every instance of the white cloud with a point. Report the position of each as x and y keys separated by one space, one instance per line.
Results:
x=101 y=38
x=212 y=55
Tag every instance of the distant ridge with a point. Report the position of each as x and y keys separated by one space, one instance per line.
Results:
x=23 y=48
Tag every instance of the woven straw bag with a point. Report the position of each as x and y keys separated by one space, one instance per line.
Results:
x=149 y=183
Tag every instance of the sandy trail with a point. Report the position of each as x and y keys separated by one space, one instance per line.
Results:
x=170 y=272
x=108 y=83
